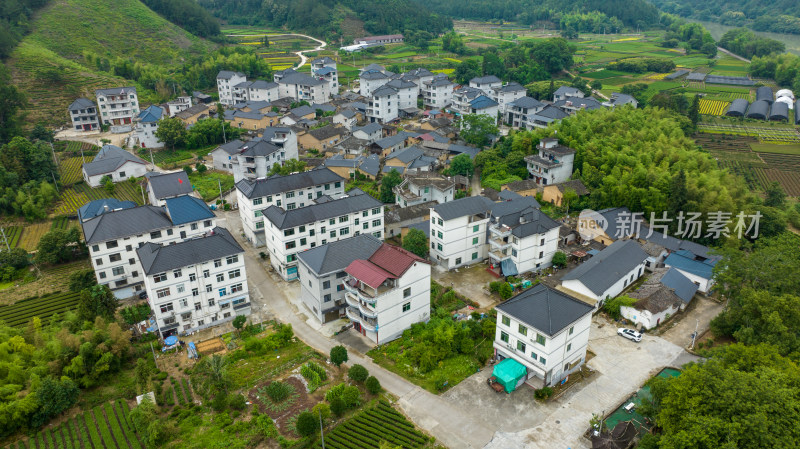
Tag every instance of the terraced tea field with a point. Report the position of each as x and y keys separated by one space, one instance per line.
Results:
x=369 y=428
x=781 y=135
x=19 y=313
x=72 y=198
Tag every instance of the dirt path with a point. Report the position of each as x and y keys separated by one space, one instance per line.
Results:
x=300 y=54
x=733 y=54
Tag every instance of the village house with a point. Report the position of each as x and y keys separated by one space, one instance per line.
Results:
x=486 y=83
x=146 y=125
x=407 y=93
x=618 y=99
x=526 y=187
x=258 y=90
x=371 y=132
x=458 y=231
x=191 y=115
x=114 y=162
x=325 y=68
x=552 y=164
x=438 y=92
x=554 y=193
x=117 y=107
x=517 y=111
x=409 y=160
x=463 y=97
x=572 y=105
x=300 y=86
x=608 y=225
x=398 y=219
x=323 y=220
x=83 y=114
x=663 y=294
x=383 y=105
x=566 y=92
x=484 y=105
x=544 y=330
x=697 y=268
x=422 y=189
x=180 y=104
x=195 y=284
x=544 y=117
x=607 y=273
x=290 y=192
x=321 y=271
x=162 y=186
x=226 y=80
x=507 y=94
x=322 y=139
x=371 y=80
x=522 y=238
x=347 y=118
x=379 y=40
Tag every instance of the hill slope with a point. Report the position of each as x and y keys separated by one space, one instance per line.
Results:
x=50 y=65
x=777 y=16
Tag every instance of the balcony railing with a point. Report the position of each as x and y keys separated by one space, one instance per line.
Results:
x=498 y=243
x=368 y=324
x=353 y=301
x=498 y=255
x=500 y=231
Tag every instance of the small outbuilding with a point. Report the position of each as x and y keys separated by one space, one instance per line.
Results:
x=758 y=110
x=779 y=111
x=764 y=93
x=738 y=108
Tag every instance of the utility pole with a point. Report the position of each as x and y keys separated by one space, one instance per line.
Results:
x=83 y=159
x=55 y=183
x=694 y=335
x=152 y=161
x=154 y=354
x=55 y=161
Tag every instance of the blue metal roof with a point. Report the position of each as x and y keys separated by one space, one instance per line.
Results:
x=683 y=287
x=151 y=114
x=685 y=261
x=482 y=102
x=187 y=209
x=98 y=207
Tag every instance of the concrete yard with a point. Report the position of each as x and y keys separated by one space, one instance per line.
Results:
x=469 y=282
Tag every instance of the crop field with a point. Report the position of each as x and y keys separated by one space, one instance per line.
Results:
x=31 y=234
x=373 y=426
x=167 y=157
x=62 y=223
x=19 y=313
x=713 y=107
x=70 y=170
x=782 y=135
x=777 y=149
x=72 y=198
x=105 y=426
x=13 y=233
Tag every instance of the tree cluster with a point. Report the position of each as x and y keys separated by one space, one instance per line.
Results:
x=784 y=69
x=745 y=43
x=695 y=37
x=26 y=169
x=778 y=16
x=642 y=65
x=188 y=15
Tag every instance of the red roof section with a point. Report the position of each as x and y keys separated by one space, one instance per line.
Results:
x=368 y=272
x=394 y=259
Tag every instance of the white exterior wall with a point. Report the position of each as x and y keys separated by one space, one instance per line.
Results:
x=128 y=170
x=225 y=88
x=487 y=88
x=348 y=123
x=407 y=97
x=222 y=160
x=458 y=240
x=321 y=294
x=205 y=308
x=84 y=117
x=313 y=234
x=504 y=98
x=622 y=283
x=128 y=267
x=555 y=175
x=554 y=350
x=383 y=109
x=432 y=194
x=369 y=86
x=489 y=112
x=438 y=96
x=532 y=255
x=250 y=208
x=703 y=284
x=313 y=94
x=644 y=317
x=262 y=94
x=146 y=135
x=118 y=111
x=391 y=320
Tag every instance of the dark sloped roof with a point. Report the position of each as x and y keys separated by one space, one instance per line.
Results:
x=110 y=158
x=326 y=132
x=283 y=219
x=371 y=165
x=194 y=110
x=536 y=222
x=526 y=102
x=574 y=184
x=545 y=309
x=81 y=103
x=485 y=80
x=602 y=271
x=514 y=206
x=550 y=112
x=160 y=258
x=278 y=184
x=187 y=209
x=227 y=74
x=232 y=147
x=259 y=148
x=680 y=284
x=115 y=91
x=99 y=207
x=301 y=79
x=406 y=155
x=463 y=207
x=124 y=223
x=336 y=256
x=170 y=184
x=779 y=111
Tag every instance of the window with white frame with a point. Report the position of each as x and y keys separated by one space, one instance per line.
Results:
x=162 y=293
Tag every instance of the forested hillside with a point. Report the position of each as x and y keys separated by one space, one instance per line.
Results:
x=778 y=16
x=324 y=18
x=630 y=13
x=15 y=22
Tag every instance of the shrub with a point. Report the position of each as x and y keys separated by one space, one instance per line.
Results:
x=278 y=391
x=323 y=375
x=311 y=376
x=373 y=385
x=338 y=407
x=306 y=424
x=334 y=392
x=237 y=402
x=322 y=410
x=358 y=373
x=338 y=355
x=219 y=402
x=351 y=396
x=505 y=291
x=543 y=393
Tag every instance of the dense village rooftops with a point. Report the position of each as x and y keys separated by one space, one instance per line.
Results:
x=160 y=258
x=485 y=80
x=301 y=79
x=526 y=102
x=371 y=165
x=227 y=74
x=187 y=209
x=401 y=84
x=406 y=155
x=302 y=110
x=336 y=256
x=388 y=142
x=81 y=103
x=373 y=75
x=192 y=111
x=125 y=222
x=110 y=158
x=115 y=91
x=383 y=91
x=283 y=219
x=603 y=270
x=99 y=207
x=465 y=206
x=337 y=160
x=369 y=128
x=545 y=309
x=324 y=107
x=510 y=87
x=587 y=103
x=278 y=184
x=436 y=82
x=164 y=185
x=347 y=113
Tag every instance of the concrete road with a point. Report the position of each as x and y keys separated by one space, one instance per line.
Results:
x=449 y=423
x=698 y=316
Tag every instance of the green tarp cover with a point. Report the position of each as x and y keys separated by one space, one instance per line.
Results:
x=508 y=373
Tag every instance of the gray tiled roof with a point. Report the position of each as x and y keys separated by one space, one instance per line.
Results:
x=125 y=222
x=373 y=76
x=231 y=147
x=194 y=110
x=170 y=184
x=261 y=84
x=406 y=155
x=369 y=128
x=115 y=91
x=227 y=74
x=336 y=256
x=463 y=207
x=326 y=132
x=401 y=84
x=384 y=91
x=526 y=102
x=371 y=165
x=545 y=309
x=510 y=87
x=278 y=184
x=160 y=258
x=564 y=90
x=514 y=206
x=602 y=271
x=302 y=110
x=110 y=158
x=301 y=79
x=289 y=219
x=258 y=148
x=81 y=103
x=485 y=80
x=537 y=222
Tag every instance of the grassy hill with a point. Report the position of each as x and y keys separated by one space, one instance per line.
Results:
x=50 y=64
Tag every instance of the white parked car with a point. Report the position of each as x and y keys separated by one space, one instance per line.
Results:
x=630 y=334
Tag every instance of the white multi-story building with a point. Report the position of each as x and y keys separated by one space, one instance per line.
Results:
x=438 y=92
x=383 y=105
x=486 y=83
x=113 y=237
x=506 y=94
x=421 y=189
x=419 y=77
x=300 y=86
x=254 y=159
x=387 y=292
x=195 y=284
x=607 y=273
x=117 y=107
x=178 y=105
x=522 y=240
x=288 y=232
x=553 y=163
x=162 y=186
x=226 y=80
x=258 y=90
x=407 y=93
x=290 y=192
x=484 y=105
x=321 y=270
x=518 y=110
x=463 y=97
x=325 y=69
x=565 y=92
x=546 y=331
x=83 y=114
x=370 y=80
x=146 y=127
x=458 y=231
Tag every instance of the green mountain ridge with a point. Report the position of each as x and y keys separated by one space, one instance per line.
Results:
x=777 y=16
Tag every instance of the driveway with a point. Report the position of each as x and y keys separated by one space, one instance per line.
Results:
x=698 y=316
x=522 y=422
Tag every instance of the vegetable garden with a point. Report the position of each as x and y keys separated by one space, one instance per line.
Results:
x=105 y=426
x=713 y=107
x=70 y=169
x=31 y=235
x=21 y=312
x=72 y=198
x=370 y=427
x=60 y=223
x=13 y=234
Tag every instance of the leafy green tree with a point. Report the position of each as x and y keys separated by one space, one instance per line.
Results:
x=40 y=132
x=559 y=259
x=462 y=165
x=373 y=385
x=81 y=280
x=55 y=397
x=776 y=197
x=568 y=198
x=338 y=407
x=108 y=184
x=171 y=131
x=694 y=111
x=11 y=102
x=477 y=129
x=288 y=167
x=505 y=290
x=306 y=424
x=321 y=411
x=492 y=65
x=388 y=182
x=30 y=161
x=466 y=70
x=188 y=169
x=612 y=306
x=15 y=258
x=142 y=373
x=238 y=322
x=416 y=242
x=338 y=355
x=97 y=301
x=554 y=54
x=214 y=373
x=59 y=245
x=357 y=373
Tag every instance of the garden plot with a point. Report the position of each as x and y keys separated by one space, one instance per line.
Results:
x=21 y=312
x=72 y=198
x=371 y=427
x=783 y=135
x=70 y=169
x=31 y=235
x=713 y=107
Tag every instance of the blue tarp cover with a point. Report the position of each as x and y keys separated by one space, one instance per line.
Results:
x=509 y=269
